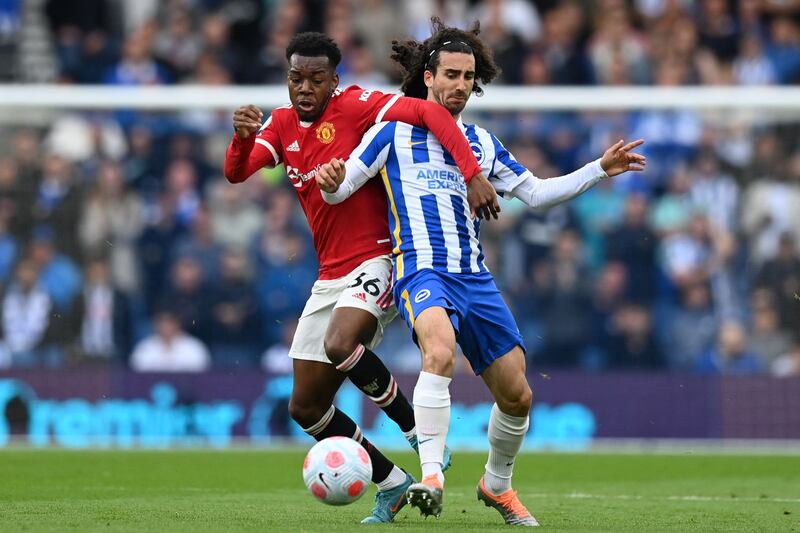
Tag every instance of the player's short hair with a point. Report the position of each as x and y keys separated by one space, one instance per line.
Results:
x=416 y=57
x=314 y=44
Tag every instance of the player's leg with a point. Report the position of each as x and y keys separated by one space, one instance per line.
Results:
x=437 y=341
x=509 y=420
x=316 y=382
x=508 y=425
x=349 y=334
x=490 y=339
x=364 y=308
x=311 y=406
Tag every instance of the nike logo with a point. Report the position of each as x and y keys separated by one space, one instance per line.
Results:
x=424 y=441
x=414 y=143
x=323 y=481
x=507 y=464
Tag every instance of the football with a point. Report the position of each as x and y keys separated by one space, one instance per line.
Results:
x=337 y=470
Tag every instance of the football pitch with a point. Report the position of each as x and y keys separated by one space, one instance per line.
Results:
x=249 y=490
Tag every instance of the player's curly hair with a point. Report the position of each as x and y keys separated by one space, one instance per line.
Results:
x=416 y=57
x=314 y=44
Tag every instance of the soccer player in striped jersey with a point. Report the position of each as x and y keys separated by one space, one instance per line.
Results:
x=442 y=287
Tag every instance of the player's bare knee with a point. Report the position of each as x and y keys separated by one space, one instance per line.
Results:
x=517 y=403
x=306 y=414
x=439 y=361
x=339 y=346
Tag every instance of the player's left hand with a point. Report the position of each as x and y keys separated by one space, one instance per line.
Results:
x=619 y=158
x=331 y=175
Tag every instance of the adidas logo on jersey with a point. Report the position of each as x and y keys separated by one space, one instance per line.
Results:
x=294 y=147
x=361 y=296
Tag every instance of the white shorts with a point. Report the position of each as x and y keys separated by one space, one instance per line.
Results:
x=368 y=287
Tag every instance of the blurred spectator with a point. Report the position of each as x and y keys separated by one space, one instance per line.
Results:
x=178 y=44
x=58 y=274
x=200 y=245
x=769 y=211
x=137 y=66
x=563 y=296
x=112 y=220
x=285 y=269
x=692 y=329
x=788 y=364
x=140 y=166
x=190 y=299
x=58 y=203
x=753 y=67
x=275 y=359
x=82 y=31
x=633 y=244
x=362 y=70
x=598 y=210
x=105 y=330
x=26 y=317
x=169 y=349
x=781 y=276
x=633 y=342
x=567 y=63
x=10 y=11
x=766 y=337
x=673 y=210
x=80 y=139
x=8 y=252
x=608 y=296
x=538 y=231
x=714 y=191
x=15 y=217
x=235 y=320
x=731 y=355
x=235 y=219
x=181 y=189
x=718 y=31
x=155 y=249
x=784 y=48
x=618 y=50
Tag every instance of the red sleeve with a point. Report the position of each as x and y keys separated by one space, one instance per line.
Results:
x=245 y=156
x=435 y=118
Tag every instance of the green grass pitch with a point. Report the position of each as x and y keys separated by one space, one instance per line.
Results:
x=51 y=490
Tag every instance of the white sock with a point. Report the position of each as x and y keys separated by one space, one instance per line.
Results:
x=506 y=434
x=432 y=414
x=410 y=434
x=394 y=479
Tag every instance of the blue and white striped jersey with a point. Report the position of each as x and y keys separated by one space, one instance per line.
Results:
x=429 y=216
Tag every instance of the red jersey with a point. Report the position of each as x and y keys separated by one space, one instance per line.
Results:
x=356 y=230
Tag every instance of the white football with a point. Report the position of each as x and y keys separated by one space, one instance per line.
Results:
x=337 y=470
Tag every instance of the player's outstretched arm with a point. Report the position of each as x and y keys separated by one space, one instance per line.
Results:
x=244 y=156
x=543 y=193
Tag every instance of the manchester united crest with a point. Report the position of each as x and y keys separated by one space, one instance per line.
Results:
x=326 y=133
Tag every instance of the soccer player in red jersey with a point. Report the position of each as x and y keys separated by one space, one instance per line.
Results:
x=352 y=300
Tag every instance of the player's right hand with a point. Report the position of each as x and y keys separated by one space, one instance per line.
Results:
x=247 y=120
x=482 y=198
x=331 y=175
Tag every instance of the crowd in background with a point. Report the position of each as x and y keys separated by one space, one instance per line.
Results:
x=121 y=242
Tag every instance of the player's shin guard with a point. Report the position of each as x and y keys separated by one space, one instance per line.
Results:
x=335 y=423
x=368 y=373
x=506 y=434
x=432 y=413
